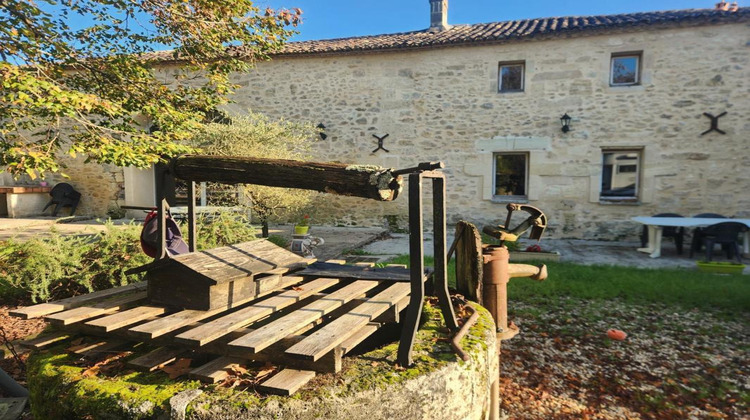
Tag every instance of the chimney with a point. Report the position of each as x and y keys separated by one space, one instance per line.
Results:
x=439 y=15
x=734 y=7
x=722 y=5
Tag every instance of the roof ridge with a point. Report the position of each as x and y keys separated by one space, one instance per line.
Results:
x=503 y=31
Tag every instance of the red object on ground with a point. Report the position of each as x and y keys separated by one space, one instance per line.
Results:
x=534 y=248
x=616 y=335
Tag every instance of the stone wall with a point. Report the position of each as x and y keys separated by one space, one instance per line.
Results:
x=101 y=186
x=443 y=104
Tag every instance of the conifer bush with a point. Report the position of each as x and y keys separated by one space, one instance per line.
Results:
x=56 y=266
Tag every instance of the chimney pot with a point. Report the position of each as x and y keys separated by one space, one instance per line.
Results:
x=722 y=5
x=439 y=15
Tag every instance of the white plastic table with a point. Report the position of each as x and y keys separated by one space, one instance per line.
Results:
x=655 y=225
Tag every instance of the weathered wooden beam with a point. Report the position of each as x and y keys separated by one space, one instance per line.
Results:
x=366 y=181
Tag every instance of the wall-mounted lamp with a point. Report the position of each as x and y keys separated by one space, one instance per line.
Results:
x=322 y=127
x=565 y=121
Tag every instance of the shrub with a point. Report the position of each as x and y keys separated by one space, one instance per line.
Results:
x=221 y=228
x=279 y=240
x=58 y=266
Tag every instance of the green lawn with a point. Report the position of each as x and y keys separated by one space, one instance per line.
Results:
x=681 y=287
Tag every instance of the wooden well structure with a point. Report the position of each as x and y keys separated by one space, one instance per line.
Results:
x=256 y=301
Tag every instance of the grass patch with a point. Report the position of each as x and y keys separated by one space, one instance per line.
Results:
x=679 y=287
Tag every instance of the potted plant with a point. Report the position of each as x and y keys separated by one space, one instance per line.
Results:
x=720 y=267
x=302 y=226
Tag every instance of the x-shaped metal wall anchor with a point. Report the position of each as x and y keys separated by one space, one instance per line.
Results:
x=380 y=143
x=714 y=123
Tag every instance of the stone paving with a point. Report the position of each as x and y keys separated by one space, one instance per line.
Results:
x=378 y=245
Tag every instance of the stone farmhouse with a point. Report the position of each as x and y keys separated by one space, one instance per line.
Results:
x=594 y=119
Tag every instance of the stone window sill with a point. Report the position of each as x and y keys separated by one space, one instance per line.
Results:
x=620 y=202
x=505 y=199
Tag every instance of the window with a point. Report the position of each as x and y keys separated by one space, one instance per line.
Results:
x=511 y=76
x=511 y=175
x=620 y=175
x=625 y=69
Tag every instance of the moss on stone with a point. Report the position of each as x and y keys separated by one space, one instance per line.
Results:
x=59 y=390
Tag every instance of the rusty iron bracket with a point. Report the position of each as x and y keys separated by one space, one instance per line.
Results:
x=456 y=340
x=537 y=221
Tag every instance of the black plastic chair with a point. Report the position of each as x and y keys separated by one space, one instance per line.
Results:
x=697 y=241
x=727 y=234
x=63 y=195
x=675 y=232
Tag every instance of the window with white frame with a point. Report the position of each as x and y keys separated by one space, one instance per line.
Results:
x=625 y=69
x=620 y=175
x=511 y=76
x=511 y=175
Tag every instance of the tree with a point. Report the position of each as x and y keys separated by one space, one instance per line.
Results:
x=98 y=90
x=258 y=136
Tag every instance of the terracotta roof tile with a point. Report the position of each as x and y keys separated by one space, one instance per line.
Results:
x=510 y=31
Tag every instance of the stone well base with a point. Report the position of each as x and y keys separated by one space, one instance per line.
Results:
x=371 y=386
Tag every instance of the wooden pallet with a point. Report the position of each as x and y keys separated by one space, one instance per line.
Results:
x=306 y=325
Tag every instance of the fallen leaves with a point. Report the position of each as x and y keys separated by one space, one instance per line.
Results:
x=180 y=367
x=241 y=377
x=674 y=364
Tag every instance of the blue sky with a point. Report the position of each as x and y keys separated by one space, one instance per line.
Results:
x=323 y=19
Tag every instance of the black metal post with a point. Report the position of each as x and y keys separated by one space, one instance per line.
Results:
x=191 y=216
x=440 y=278
x=416 y=254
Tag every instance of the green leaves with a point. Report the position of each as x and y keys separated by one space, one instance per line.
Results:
x=99 y=90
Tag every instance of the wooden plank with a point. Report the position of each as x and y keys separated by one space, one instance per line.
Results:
x=329 y=363
x=337 y=262
x=233 y=262
x=215 y=370
x=96 y=346
x=155 y=359
x=219 y=327
x=287 y=325
x=127 y=317
x=364 y=264
x=388 y=316
x=350 y=343
x=327 y=269
x=287 y=382
x=43 y=309
x=332 y=335
x=45 y=340
x=169 y=323
x=81 y=313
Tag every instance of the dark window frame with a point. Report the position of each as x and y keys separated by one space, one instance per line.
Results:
x=500 y=67
x=502 y=197
x=638 y=55
x=621 y=194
